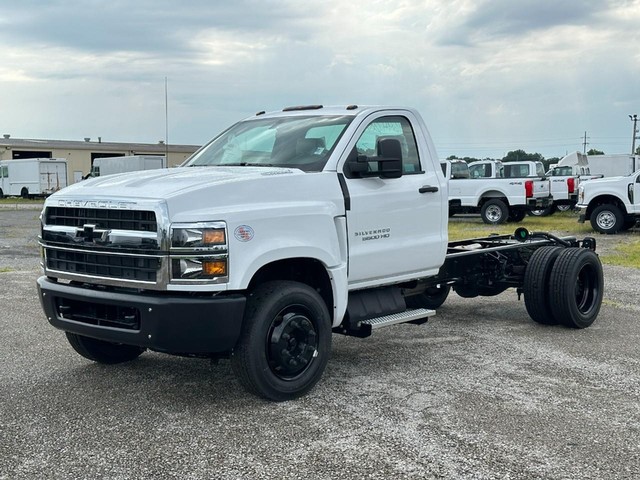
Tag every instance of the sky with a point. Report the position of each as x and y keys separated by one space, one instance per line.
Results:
x=488 y=76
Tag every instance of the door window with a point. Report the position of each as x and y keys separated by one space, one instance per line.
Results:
x=397 y=128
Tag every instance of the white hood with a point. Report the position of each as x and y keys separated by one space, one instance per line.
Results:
x=167 y=183
x=206 y=193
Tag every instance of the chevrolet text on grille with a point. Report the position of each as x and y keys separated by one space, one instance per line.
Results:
x=97 y=204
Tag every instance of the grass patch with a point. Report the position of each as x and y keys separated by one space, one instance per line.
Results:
x=6 y=269
x=562 y=224
x=625 y=255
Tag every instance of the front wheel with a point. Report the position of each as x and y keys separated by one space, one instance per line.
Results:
x=101 y=351
x=285 y=341
x=494 y=212
x=607 y=219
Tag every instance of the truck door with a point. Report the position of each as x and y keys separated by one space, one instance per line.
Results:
x=395 y=225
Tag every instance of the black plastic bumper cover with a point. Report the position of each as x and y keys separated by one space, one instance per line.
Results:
x=172 y=324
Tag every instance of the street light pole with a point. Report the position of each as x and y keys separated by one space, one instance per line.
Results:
x=634 y=118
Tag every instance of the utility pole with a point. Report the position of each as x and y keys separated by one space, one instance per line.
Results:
x=634 y=119
x=584 y=144
x=166 y=122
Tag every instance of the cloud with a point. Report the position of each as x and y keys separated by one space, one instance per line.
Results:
x=482 y=72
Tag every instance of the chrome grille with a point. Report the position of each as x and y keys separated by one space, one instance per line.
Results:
x=136 y=220
x=107 y=246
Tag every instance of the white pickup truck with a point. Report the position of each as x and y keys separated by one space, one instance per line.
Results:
x=611 y=204
x=286 y=228
x=497 y=198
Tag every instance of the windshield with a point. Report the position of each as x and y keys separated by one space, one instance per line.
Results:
x=293 y=142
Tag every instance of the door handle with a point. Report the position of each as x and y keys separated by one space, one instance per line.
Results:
x=428 y=189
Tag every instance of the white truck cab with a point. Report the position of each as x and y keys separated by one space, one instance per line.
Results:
x=284 y=228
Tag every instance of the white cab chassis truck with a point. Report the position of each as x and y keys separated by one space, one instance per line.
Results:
x=32 y=177
x=611 y=204
x=284 y=229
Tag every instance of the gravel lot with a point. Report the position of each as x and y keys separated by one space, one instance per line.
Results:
x=479 y=392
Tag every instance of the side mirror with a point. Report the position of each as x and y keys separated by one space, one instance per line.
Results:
x=389 y=158
x=388 y=162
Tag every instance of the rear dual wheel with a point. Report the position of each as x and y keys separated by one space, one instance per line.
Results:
x=564 y=286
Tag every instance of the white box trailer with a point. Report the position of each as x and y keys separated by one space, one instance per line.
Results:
x=132 y=163
x=32 y=177
x=613 y=165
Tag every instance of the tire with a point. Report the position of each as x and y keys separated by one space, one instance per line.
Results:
x=516 y=215
x=536 y=285
x=431 y=298
x=576 y=287
x=103 y=352
x=494 y=212
x=607 y=219
x=1 y=194
x=564 y=208
x=24 y=193
x=543 y=212
x=628 y=224
x=285 y=341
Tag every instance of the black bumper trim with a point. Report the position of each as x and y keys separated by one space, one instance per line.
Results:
x=167 y=323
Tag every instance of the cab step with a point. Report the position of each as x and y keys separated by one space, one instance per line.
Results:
x=364 y=328
x=413 y=315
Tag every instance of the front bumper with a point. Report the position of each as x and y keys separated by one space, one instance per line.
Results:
x=171 y=324
x=581 y=210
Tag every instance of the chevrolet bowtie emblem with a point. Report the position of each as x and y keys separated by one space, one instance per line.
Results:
x=90 y=233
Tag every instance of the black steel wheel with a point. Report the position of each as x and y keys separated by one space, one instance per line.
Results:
x=431 y=298
x=494 y=211
x=607 y=219
x=24 y=193
x=101 y=351
x=285 y=341
x=577 y=287
x=536 y=285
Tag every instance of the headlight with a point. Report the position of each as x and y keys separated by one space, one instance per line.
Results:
x=198 y=236
x=199 y=252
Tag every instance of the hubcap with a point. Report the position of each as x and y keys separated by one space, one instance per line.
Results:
x=293 y=343
x=606 y=220
x=494 y=213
